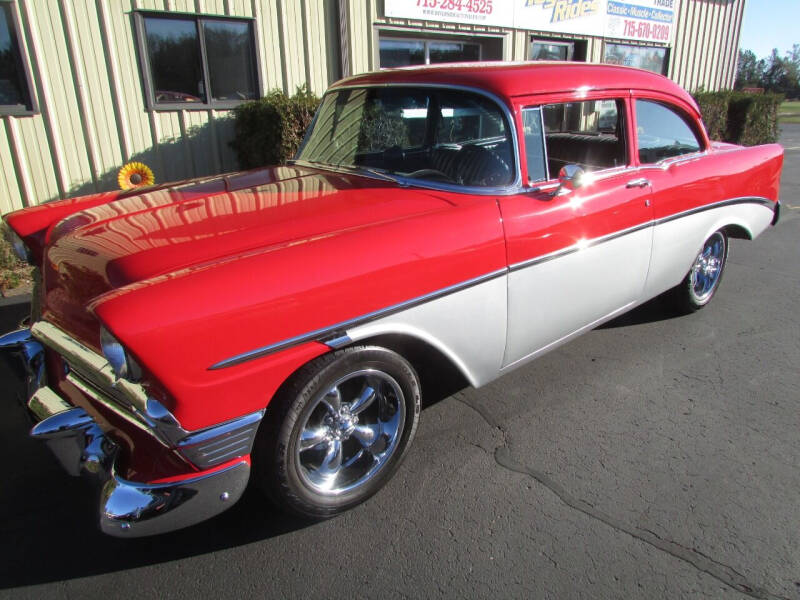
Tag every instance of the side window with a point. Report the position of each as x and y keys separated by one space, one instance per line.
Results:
x=15 y=96
x=590 y=134
x=534 y=144
x=662 y=132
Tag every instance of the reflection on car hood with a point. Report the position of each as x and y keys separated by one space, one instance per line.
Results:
x=138 y=237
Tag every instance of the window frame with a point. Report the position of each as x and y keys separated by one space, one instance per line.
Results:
x=197 y=18
x=32 y=106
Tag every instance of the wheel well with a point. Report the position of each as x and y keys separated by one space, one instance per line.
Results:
x=738 y=232
x=439 y=376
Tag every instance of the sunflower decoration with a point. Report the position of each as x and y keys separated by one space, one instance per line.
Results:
x=134 y=175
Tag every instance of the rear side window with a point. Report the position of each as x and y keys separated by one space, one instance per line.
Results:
x=662 y=132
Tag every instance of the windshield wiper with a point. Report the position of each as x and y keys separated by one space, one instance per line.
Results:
x=377 y=173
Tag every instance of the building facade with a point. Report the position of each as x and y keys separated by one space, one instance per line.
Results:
x=89 y=85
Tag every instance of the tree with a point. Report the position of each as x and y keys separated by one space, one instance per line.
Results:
x=776 y=74
x=749 y=70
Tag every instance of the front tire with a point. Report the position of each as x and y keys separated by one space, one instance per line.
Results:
x=337 y=432
x=702 y=281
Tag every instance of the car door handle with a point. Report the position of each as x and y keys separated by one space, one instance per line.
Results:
x=640 y=183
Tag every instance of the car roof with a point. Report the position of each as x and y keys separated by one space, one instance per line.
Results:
x=510 y=79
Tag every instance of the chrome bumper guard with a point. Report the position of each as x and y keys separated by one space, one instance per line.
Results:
x=128 y=508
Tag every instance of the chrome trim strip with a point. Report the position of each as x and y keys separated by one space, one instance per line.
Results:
x=514 y=187
x=92 y=366
x=612 y=236
x=576 y=247
x=210 y=433
x=221 y=443
x=743 y=200
x=338 y=330
x=132 y=417
x=544 y=143
x=336 y=334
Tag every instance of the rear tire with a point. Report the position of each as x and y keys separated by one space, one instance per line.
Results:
x=702 y=281
x=337 y=431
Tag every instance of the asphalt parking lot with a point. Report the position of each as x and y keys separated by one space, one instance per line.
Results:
x=656 y=457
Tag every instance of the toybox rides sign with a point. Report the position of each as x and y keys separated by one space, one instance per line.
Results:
x=642 y=20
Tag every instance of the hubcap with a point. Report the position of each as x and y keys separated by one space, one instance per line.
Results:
x=708 y=268
x=350 y=432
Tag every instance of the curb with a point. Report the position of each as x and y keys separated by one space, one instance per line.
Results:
x=15 y=300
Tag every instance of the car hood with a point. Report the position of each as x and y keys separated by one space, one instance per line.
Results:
x=138 y=237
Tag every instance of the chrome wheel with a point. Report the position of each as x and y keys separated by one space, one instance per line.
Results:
x=707 y=269
x=350 y=432
x=337 y=431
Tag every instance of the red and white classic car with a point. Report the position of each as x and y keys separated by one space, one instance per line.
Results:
x=270 y=324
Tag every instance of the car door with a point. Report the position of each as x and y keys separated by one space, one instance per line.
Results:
x=684 y=179
x=581 y=256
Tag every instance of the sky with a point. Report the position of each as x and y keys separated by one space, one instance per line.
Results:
x=769 y=24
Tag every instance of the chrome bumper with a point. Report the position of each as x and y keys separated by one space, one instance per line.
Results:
x=126 y=508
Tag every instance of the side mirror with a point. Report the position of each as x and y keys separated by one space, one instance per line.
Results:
x=570 y=178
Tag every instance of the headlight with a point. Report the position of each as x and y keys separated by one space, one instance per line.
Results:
x=19 y=247
x=123 y=365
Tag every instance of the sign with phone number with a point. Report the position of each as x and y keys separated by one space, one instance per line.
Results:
x=645 y=20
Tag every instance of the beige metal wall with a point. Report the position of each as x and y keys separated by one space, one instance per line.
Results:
x=92 y=117
x=706 y=46
x=362 y=19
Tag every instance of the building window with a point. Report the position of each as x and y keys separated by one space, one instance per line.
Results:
x=651 y=58
x=547 y=50
x=15 y=96
x=403 y=52
x=197 y=62
x=557 y=49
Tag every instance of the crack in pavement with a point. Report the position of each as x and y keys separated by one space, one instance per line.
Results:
x=719 y=571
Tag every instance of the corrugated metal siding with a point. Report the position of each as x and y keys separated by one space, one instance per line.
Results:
x=82 y=55
x=703 y=53
x=706 y=45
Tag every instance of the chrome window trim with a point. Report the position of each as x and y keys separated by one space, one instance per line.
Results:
x=666 y=163
x=335 y=336
x=515 y=187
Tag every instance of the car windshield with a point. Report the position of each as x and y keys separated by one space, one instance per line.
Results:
x=443 y=136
